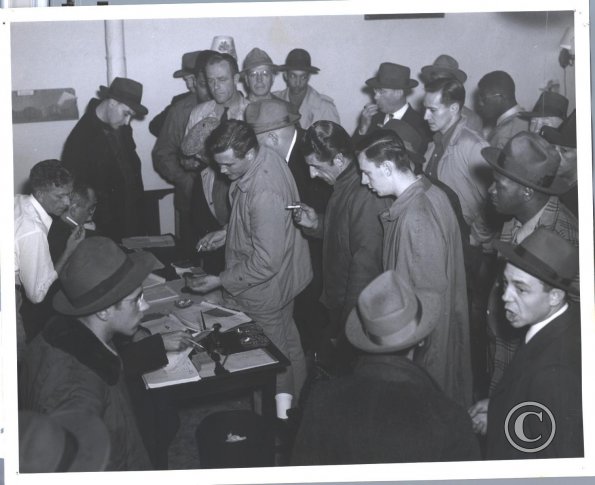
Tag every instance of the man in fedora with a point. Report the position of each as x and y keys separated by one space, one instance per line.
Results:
x=498 y=107
x=535 y=410
x=446 y=66
x=525 y=187
x=311 y=104
x=389 y=410
x=100 y=151
x=195 y=91
x=74 y=363
x=391 y=85
x=550 y=110
x=258 y=72
x=267 y=260
x=275 y=123
x=422 y=241
x=168 y=160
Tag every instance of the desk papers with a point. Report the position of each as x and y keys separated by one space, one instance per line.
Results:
x=212 y=314
x=140 y=242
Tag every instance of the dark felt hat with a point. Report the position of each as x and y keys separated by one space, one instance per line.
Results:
x=529 y=160
x=64 y=441
x=548 y=104
x=390 y=316
x=545 y=255
x=125 y=91
x=270 y=114
x=99 y=274
x=411 y=138
x=564 y=135
x=193 y=143
x=444 y=66
x=188 y=61
x=392 y=76
x=299 y=60
x=257 y=57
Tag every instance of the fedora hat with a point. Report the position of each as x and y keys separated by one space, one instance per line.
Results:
x=528 y=160
x=270 y=114
x=564 y=135
x=299 y=60
x=188 y=61
x=125 y=91
x=389 y=316
x=392 y=76
x=548 y=104
x=545 y=255
x=411 y=138
x=99 y=274
x=444 y=66
x=65 y=441
x=257 y=57
x=193 y=143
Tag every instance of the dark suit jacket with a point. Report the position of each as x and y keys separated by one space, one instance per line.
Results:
x=546 y=370
x=412 y=117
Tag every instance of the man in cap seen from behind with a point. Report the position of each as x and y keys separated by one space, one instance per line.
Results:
x=74 y=365
x=311 y=104
x=535 y=410
x=389 y=410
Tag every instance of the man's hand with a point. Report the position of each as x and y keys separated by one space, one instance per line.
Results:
x=365 y=118
x=190 y=164
x=213 y=240
x=206 y=284
x=479 y=416
x=174 y=341
x=76 y=236
x=305 y=216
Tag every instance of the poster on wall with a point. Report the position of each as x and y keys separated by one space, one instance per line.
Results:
x=350 y=54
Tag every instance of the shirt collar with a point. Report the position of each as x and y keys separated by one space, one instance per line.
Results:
x=44 y=216
x=397 y=115
x=528 y=227
x=509 y=114
x=539 y=326
x=291 y=146
x=444 y=139
x=393 y=212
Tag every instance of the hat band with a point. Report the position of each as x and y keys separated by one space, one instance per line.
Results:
x=101 y=289
x=543 y=267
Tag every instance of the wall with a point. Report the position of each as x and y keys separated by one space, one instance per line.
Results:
x=348 y=49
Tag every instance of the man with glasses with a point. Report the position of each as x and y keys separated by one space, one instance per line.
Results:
x=259 y=74
x=74 y=363
x=497 y=106
x=311 y=104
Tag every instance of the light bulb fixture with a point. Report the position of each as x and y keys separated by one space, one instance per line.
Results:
x=566 y=57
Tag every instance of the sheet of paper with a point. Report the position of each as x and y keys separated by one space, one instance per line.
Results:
x=235 y=362
x=160 y=293
x=138 y=242
x=212 y=314
x=179 y=370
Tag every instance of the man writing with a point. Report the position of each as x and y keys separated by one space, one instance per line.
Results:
x=267 y=259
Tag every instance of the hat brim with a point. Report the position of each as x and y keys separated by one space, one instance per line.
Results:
x=492 y=155
x=274 y=67
x=293 y=119
x=542 y=273
x=527 y=115
x=138 y=108
x=375 y=84
x=554 y=137
x=92 y=438
x=293 y=67
x=430 y=312
x=429 y=71
x=182 y=73
x=143 y=263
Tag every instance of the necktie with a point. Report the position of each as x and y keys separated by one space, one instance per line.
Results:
x=224 y=115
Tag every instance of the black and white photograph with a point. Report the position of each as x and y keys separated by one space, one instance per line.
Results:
x=259 y=243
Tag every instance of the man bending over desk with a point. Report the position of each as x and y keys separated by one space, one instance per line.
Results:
x=267 y=260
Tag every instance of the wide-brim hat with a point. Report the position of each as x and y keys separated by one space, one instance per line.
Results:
x=444 y=66
x=193 y=143
x=545 y=255
x=270 y=114
x=188 y=61
x=125 y=91
x=549 y=104
x=390 y=316
x=564 y=135
x=412 y=139
x=299 y=60
x=529 y=160
x=99 y=274
x=392 y=76
x=255 y=58
x=64 y=441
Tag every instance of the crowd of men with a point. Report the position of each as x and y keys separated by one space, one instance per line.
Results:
x=420 y=274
